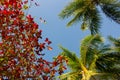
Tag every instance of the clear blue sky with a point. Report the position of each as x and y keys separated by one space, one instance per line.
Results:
x=59 y=34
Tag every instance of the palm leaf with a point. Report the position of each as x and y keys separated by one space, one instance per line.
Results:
x=76 y=18
x=85 y=46
x=106 y=2
x=116 y=44
x=94 y=21
x=70 y=76
x=107 y=62
x=69 y=9
x=115 y=41
x=112 y=10
x=74 y=62
x=96 y=60
x=87 y=12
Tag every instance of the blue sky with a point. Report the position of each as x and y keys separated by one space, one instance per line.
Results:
x=59 y=34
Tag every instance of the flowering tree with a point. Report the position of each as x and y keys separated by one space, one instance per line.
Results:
x=21 y=45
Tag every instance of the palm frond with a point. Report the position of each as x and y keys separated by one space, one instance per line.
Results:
x=112 y=10
x=107 y=62
x=115 y=41
x=86 y=43
x=69 y=54
x=69 y=9
x=103 y=49
x=116 y=3
x=96 y=59
x=73 y=62
x=95 y=22
x=70 y=76
x=96 y=51
x=76 y=18
x=65 y=75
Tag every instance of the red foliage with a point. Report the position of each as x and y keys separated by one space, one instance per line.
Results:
x=20 y=45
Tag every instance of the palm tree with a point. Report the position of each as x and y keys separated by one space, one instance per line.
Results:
x=116 y=44
x=87 y=11
x=95 y=61
x=116 y=50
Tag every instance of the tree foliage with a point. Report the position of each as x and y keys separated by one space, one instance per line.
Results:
x=22 y=45
x=96 y=61
x=88 y=13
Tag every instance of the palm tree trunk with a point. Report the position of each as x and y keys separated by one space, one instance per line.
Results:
x=86 y=76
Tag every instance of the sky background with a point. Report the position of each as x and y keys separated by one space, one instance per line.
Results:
x=55 y=28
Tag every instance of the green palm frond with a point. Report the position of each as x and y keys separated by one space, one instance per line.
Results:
x=74 y=62
x=116 y=44
x=76 y=18
x=103 y=49
x=72 y=56
x=96 y=51
x=112 y=10
x=76 y=9
x=82 y=11
x=86 y=43
x=95 y=21
x=66 y=75
x=69 y=10
x=71 y=76
x=87 y=13
x=115 y=41
x=106 y=2
x=107 y=62
x=96 y=60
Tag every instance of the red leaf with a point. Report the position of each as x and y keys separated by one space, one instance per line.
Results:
x=37 y=4
x=49 y=48
x=42 y=46
x=47 y=41
x=55 y=63
x=46 y=69
x=35 y=25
